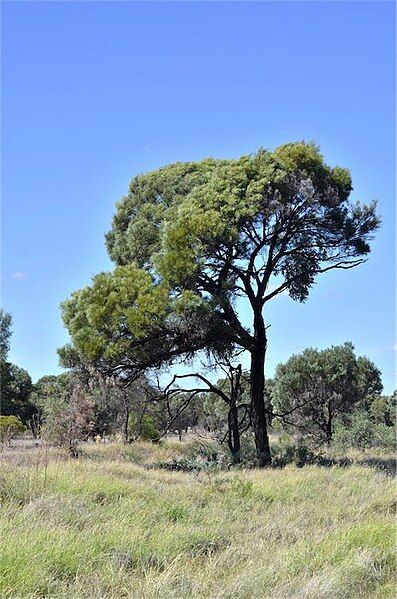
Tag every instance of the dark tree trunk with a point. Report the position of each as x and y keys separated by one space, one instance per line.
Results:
x=234 y=435
x=233 y=426
x=259 y=424
x=126 y=422
x=328 y=431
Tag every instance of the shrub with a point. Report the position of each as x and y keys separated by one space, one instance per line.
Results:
x=287 y=451
x=201 y=456
x=363 y=433
x=194 y=464
x=70 y=425
x=9 y=427
x=384 y=436
x=148 y=430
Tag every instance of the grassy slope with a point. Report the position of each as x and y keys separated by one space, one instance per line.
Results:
x=106 y=527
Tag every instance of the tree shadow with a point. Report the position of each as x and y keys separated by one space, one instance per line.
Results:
x=385 y=465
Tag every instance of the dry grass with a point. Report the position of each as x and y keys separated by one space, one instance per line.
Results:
x=105 y=526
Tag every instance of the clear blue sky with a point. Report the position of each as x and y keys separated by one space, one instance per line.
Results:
x=94 y=93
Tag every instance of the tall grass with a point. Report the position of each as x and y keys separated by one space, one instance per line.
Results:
x=105 y=526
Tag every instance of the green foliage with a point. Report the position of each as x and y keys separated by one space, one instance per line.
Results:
x=361 y=432
x=289 y=451
x=5 y=333
x=178 y=217
x=383 y=408
x=184 y=233
x=16 y=387
x=117 y=308
x=9 y=427
x=313 y=388
x=51 y=393
x=148 y=431
x=15 y=382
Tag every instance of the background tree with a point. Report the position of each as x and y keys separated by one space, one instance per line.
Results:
x=5 y=333
x=16 y=388
x=228 y=391
x=9 y=426
x=315 y=387
x=66 y=410
x=50 y=394
x=192 y=238
x=382 y=408
x=15 y=382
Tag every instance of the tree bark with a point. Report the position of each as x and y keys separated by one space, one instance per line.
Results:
x=258 y=353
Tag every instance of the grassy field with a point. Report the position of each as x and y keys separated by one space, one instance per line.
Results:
x=110 y=525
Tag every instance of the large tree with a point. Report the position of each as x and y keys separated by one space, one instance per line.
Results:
x=206 y=234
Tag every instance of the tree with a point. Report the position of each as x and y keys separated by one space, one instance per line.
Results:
x=5 y=333
x=15 y=382
x=9 y=426
x=190 y=239
x=369 y=380
x=71 y=422
x=66 y=409
x=49 y=393
x=129 y=404
x=382 y=408
x=229 y=392
x=16 y=387
x=315 y=387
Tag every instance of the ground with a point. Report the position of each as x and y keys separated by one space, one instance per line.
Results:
x=112 y=524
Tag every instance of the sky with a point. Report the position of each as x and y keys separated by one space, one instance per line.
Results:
x=94 y=93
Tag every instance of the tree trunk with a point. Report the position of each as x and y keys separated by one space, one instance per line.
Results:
x=233 y=426
x=234 y=435
x=126 y=422
x=328 y=431
x=258 y=353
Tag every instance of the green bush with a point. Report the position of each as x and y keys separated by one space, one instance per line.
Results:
x=9 y=427
x=201 y=456
x=362 y=433
x=148 y=430
x=287 y=451
x=385 y=436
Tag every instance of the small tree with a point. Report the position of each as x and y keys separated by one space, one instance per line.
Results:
x=9 y=427
x=72 y=423
x=66 y=410
x=382 y=408
x=315 y=387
